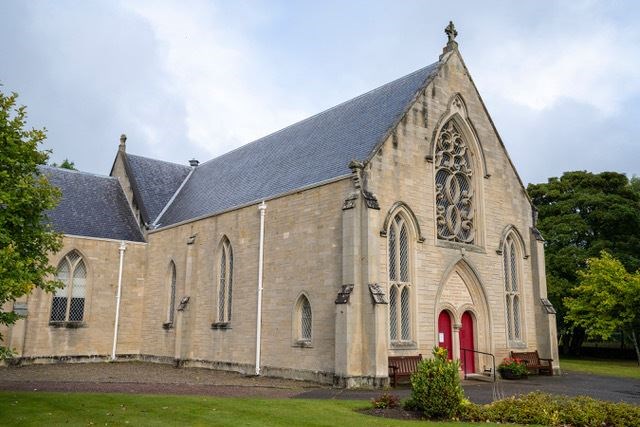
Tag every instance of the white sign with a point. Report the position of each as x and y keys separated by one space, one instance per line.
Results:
x=441 y=337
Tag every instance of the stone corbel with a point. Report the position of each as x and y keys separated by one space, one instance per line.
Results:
x=370 y=199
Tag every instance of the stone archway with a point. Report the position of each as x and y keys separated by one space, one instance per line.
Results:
x=461 y=293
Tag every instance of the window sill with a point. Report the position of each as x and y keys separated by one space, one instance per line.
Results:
x=167 y=325
x=302 y=344
x=517 y=344
x=67 y=324
x=412 y=345
x=221 y=325
x=458 y=246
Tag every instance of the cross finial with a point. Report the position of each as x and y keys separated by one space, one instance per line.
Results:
x=452 y=44
x=451 y=32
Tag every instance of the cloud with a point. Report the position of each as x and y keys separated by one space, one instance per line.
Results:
x=598 y=67
x=211 y=68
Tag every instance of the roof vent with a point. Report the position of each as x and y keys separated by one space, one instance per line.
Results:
x=193 y=163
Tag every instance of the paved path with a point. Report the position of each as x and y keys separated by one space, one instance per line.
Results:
x=150 y=378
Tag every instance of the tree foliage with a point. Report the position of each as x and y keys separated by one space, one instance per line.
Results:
x=66 y=164
x=606 y=300
x=26 y=238
x=581 y=214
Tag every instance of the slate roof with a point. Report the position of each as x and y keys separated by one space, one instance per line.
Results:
x=311 y=151
x=92 y=206
x=154 y=182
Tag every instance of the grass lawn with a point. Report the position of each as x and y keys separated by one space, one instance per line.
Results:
x=615 y=368
x=52 y=409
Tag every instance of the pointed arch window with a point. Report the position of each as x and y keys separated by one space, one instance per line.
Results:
x=171 y=295
x=399 y=267
x=225 y=281
x=303 y=321
x=69 y=301
x=512 y=288
x=455 y=203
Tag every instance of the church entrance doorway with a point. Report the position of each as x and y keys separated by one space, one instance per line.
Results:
x=467 y=342
x=444 y=333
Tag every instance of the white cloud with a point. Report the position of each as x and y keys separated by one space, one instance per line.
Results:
x=598 y=67
x=210 y=67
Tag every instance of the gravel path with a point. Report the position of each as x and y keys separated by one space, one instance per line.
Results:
x=148 y=378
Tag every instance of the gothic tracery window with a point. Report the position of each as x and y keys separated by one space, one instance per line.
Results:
x=303 y=320
x=454 y=186
x=512 y=290
x=68 y=301
x=171 y=306
x=225 y=281
x=399 y=281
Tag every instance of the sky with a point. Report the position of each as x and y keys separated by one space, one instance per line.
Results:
x=195 y=78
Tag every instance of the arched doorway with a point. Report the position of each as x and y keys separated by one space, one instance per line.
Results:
x=445 y=339
x=467 y=341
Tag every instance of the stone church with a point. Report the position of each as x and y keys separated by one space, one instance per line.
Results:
x=387 y=225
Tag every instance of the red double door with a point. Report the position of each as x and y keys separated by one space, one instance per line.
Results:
x=445 y=339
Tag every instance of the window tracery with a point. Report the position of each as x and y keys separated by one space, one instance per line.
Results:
x=399 y=281
x=171 y=306
x=454 y=186
x=225 y=282
x=69 y=301
x=512 y=290
x=303 y=320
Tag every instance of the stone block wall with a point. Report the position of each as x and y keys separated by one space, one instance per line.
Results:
x=302 y=254
x=35 y=338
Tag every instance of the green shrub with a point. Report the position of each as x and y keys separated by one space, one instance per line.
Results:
x=544 y=409
x=435 y=387
x=386 y=400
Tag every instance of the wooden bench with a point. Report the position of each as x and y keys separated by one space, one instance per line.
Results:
x=534 y=362
x=402 y=367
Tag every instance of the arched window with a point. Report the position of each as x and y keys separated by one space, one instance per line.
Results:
x=68 y=301
x=399 y=281
x=171 y=282
x=455 y=203
x=303 y=320
x=512 y=289
x=225 y=281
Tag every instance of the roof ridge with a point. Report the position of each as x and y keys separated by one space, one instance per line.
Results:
x=79 y=172
x=321 y=112
x=158 y=160
x=173 y=197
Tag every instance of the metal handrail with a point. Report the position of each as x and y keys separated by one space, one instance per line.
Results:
x=493 y=359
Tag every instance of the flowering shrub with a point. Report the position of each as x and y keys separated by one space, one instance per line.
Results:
x=515 y=367
x=386 y=400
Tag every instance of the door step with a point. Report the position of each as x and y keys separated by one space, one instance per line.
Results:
x=480 y=377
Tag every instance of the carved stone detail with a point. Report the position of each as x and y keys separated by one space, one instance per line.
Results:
x=454 y=187
x=370 y=199
x=377 y=294
x=344 y=294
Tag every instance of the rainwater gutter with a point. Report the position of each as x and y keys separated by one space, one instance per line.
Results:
x=122 y=248
x=262 y=208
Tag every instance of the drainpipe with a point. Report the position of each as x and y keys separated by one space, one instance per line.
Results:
x=262 y=208
x=122 y=248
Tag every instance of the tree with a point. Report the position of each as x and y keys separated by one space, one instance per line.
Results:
x=26 y=238
x=579 y=215
x=66 y=164
x=606 y=300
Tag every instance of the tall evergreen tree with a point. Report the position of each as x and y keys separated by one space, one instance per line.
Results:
x=581 y=214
